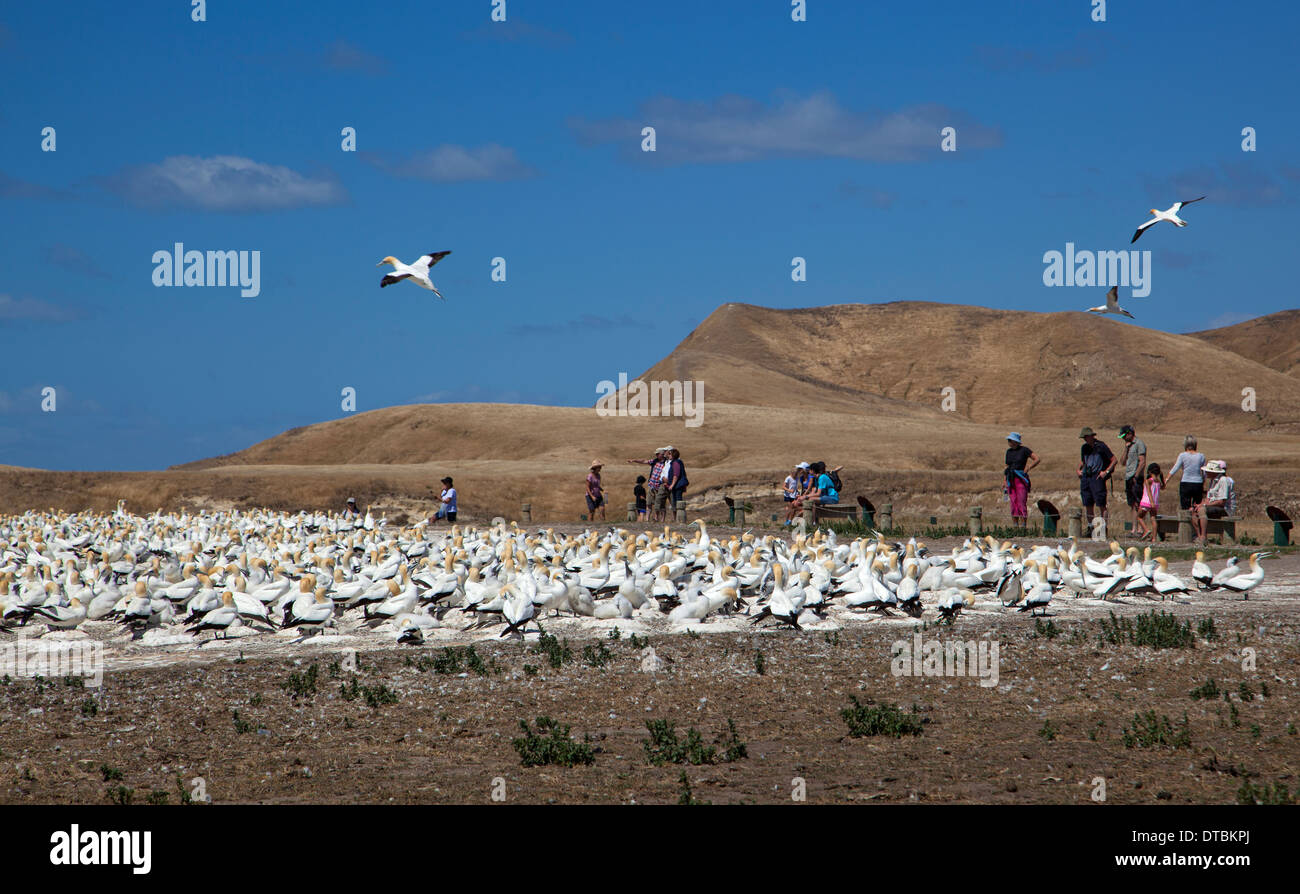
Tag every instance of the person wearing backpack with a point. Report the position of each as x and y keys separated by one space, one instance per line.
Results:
x=676 y=477
x=826 y=489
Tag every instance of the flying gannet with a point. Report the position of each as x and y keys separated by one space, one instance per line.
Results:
x=1170 y=215
x=417 y=273
x=1112 y=305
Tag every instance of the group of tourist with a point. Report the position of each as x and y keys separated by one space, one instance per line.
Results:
x=809 y=482
x=1204 y=487
x=655 y=495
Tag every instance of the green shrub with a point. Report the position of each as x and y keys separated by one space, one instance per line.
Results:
x=1149 y=731
x=551 y=745
x=881 y=720
x=1274 y=793
x=299 y=684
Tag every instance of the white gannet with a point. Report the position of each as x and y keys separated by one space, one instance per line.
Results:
x=1170 y=215
x=1112 y=305
x=219 y=619
x=1227 y=573
x=58 y=617
x=1245 y=581
x=1200 y=571
x=417 y=273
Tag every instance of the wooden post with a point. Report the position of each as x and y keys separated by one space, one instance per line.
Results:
x=681 y=513
x=976 y=521
x=1184 y=526
x=526 y=513
x=1075 y=515
x=810 y=514
x=740 y=516
x=886 y=516
x=631 y=511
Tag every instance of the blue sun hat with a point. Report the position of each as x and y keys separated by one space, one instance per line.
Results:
x=1014 y=436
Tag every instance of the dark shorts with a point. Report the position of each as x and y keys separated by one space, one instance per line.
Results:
x=593 y=504
x=1133 y=490
x=1190 y=493
x=1093 y=491
x=1216 y=512
x=788 y=498
x=827 y=500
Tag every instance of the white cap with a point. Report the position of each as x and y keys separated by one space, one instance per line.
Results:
x=802 y=466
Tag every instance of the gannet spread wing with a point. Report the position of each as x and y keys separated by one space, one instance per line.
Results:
x=430 y=259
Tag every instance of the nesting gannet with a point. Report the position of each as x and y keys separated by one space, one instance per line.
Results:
x=1112 y=305
x=1170 y=215
x=58 y=617
x=417 y=273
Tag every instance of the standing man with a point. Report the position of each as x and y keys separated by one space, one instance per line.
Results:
x=1096 y=462
x=1135 y=468
x=675 y=482
x=658 y=466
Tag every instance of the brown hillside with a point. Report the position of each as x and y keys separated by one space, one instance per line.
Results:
x=1007 y=367
x=1273 y=340
x=855 y=385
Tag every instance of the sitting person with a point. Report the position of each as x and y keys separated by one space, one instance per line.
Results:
x=447 y=502
x=1220 y=496
x=803 y=482
x=821 y=491
x=795 y=483
x=1149 y=504
x=825 y=490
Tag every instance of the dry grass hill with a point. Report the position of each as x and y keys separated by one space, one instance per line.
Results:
x=1007 y=367
x=853 y=384
x=1273 y=340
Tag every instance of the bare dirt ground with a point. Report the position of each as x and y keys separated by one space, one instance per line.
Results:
x=398 y=730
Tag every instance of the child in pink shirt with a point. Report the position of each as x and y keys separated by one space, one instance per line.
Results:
x=1149 y=506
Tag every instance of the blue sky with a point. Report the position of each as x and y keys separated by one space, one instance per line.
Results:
x=521 y=139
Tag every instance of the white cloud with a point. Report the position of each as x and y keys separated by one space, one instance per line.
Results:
x=32 y=309
x=450 y=163
x=736 y=128
x=221 y=183
x=1227 y=183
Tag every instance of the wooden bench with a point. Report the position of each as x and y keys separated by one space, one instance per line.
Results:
x=814 y=511
x=1168 y=526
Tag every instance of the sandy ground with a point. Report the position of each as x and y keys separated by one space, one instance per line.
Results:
x=1050 y=727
